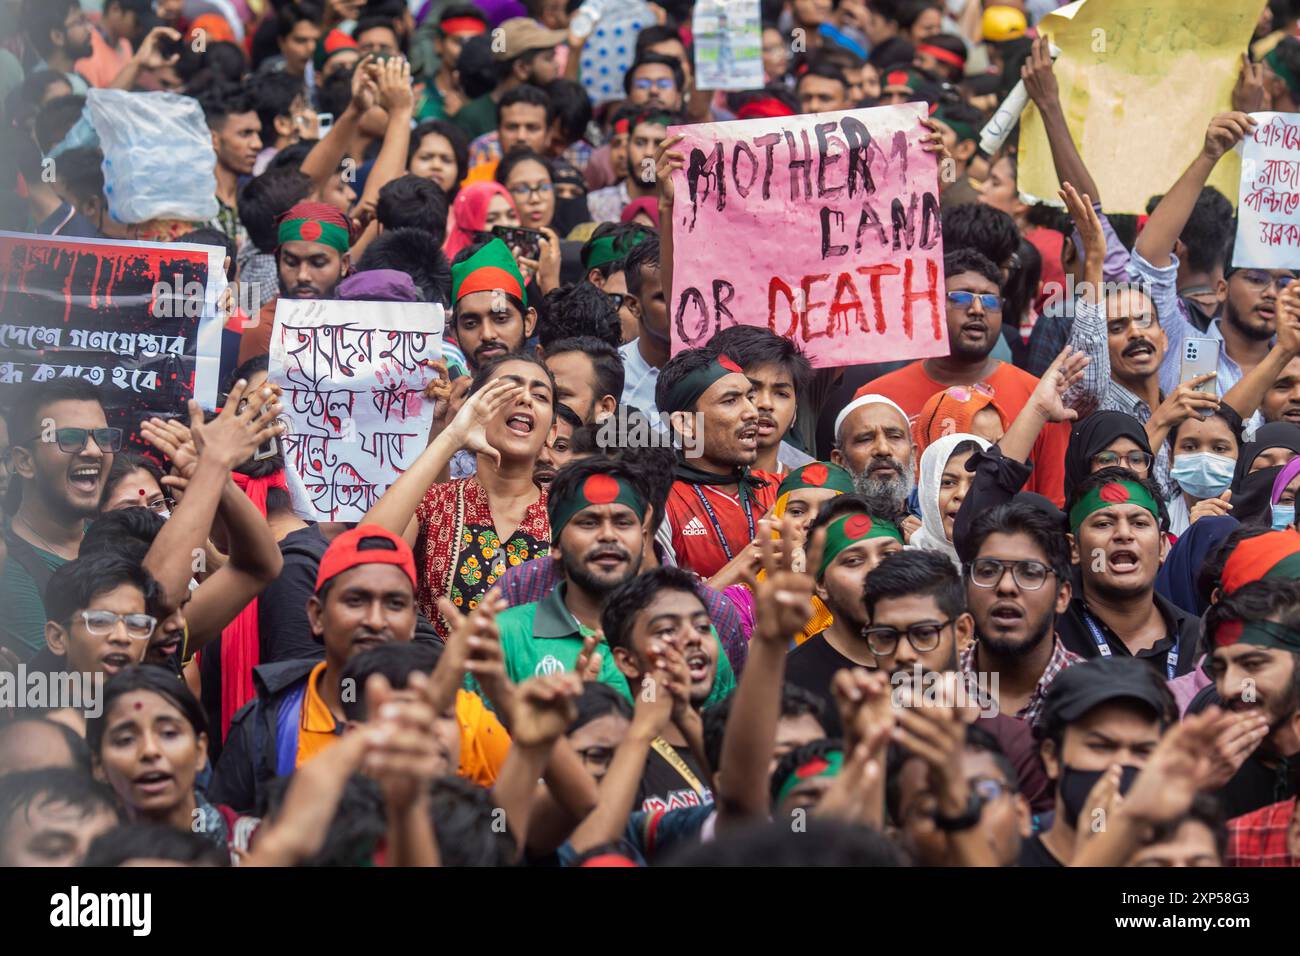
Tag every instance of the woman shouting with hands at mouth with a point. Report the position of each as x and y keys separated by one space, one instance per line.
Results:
x=468 y=531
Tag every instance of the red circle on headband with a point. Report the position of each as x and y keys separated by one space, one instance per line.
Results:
x=726 y=362
x=857 y=526
x=1113 y=493
x=816 y=475
x=1228 y=633
x=600 y=489
x=310 y=231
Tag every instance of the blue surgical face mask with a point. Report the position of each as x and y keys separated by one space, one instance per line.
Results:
x=1283 y=516
x=1202 y=474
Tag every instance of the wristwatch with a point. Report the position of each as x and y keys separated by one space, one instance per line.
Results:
x=963 y=821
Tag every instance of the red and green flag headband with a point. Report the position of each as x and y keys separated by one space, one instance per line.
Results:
x=688 y=390
x=1112 y=493
x=1268 y=634
x=828 y=765
x=598 y=489
x=1274 y=59
x=843 y=533
x=1274 y=554
x=490 y=269
x=453 y=25
x=612 y=247
x=314 y=230
x=817 y=474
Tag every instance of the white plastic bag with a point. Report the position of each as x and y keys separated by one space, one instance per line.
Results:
x=158 y=156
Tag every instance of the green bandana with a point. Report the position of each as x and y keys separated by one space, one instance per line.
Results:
x=828 y=765
x=313 y=230
x=1114 y=493
x=963 y=129
x=843 y=533
x=490 y=269
x=611 y=248
x=817 y=474
x=1274 y=60
x=687 y=392
x=597 y=489
x=1260 y=633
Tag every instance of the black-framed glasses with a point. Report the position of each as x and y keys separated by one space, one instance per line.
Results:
x=618 y=298
x=1029 y=575
x=73 y=440
x=963 y=300
x=1132 y=460
x=138 y=626
x=523 y=190
x=923 y=637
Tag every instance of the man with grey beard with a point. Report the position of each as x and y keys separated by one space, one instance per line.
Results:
x=873 y=440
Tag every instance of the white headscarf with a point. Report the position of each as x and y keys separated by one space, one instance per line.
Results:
x=930 y=536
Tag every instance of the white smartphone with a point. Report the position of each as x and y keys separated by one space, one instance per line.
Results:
x=323 y=123
x=1200 y=357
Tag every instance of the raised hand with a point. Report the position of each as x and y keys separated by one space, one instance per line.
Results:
x=1238 y=736
x=393 y=85
x=149 y=56
x=863 y=700
x=1250 y=95
x=1088 y=223
x=364 y=90
x=1186 y=400
x=172 y=438
x=1225 y=131
x=1038 y=75
x=1215 y=507
x=1184 y=762
x=783 y=597
x=1047 y=398
x=544 y=708
x=468 y=428
x=666 y=160
x=589 y=661
x=404 y=756
x=235 y=434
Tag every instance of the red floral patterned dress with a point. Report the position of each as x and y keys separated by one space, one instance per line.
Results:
x=461 y=554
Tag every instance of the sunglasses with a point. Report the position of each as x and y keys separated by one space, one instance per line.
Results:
x=663 y=83
x=617 y=298
x=73 y=440
x=963 y=300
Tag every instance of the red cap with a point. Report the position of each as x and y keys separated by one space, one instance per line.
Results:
x=345 y=553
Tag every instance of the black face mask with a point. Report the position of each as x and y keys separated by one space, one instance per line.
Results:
x=1075 y=785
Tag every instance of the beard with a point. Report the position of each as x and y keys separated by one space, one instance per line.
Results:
x=577 y=570
x=1003 y=648
x=1258 y=333
x=885 y=496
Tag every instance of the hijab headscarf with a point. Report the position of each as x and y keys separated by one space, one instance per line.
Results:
x=1251 y=504
x=568 y=212
x=931 y=536
x=951 y=412
x=1272 y=435
x=1093 y=435
x=469 y=215
x=1176 y=579
x=1284 y=478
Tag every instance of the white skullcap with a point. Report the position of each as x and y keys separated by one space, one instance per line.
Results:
x=862 y=400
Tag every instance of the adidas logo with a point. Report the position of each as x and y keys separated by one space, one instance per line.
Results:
x=694 y=528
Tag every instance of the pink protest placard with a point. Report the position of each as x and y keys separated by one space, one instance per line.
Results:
x=823 y=228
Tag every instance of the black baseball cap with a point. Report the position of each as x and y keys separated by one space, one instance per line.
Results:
x=1083 y=686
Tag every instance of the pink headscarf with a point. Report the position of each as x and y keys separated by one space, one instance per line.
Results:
x=647 y=204
x=469 y=214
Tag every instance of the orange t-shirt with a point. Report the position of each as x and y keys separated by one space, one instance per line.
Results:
x=911 y=387
x=484 y=742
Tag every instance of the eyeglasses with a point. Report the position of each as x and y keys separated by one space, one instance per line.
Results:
x=663 y=83
x=523 y=190
x=924 y=637
x=73 y=440
x=617 y=298
x=990 y=789
x=1133 y=460
x=1262 y=280
x=138 y=626
x=964 y=393
x=1143 y=320
x=963 y=300
x=1028 y=575
x=161 y=505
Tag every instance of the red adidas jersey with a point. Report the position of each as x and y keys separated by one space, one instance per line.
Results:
x=695 y=533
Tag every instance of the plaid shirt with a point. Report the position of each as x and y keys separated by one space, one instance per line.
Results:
x=1259 y=838
x=531 y=581
x=1060 y=660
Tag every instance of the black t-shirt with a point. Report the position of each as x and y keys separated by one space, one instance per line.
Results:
x=812 y=665
x=1033 y=853
x=664 y=788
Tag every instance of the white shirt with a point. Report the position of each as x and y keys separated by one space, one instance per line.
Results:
x=639 y=380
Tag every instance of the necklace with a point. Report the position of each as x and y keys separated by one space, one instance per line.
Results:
x=48 y=547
